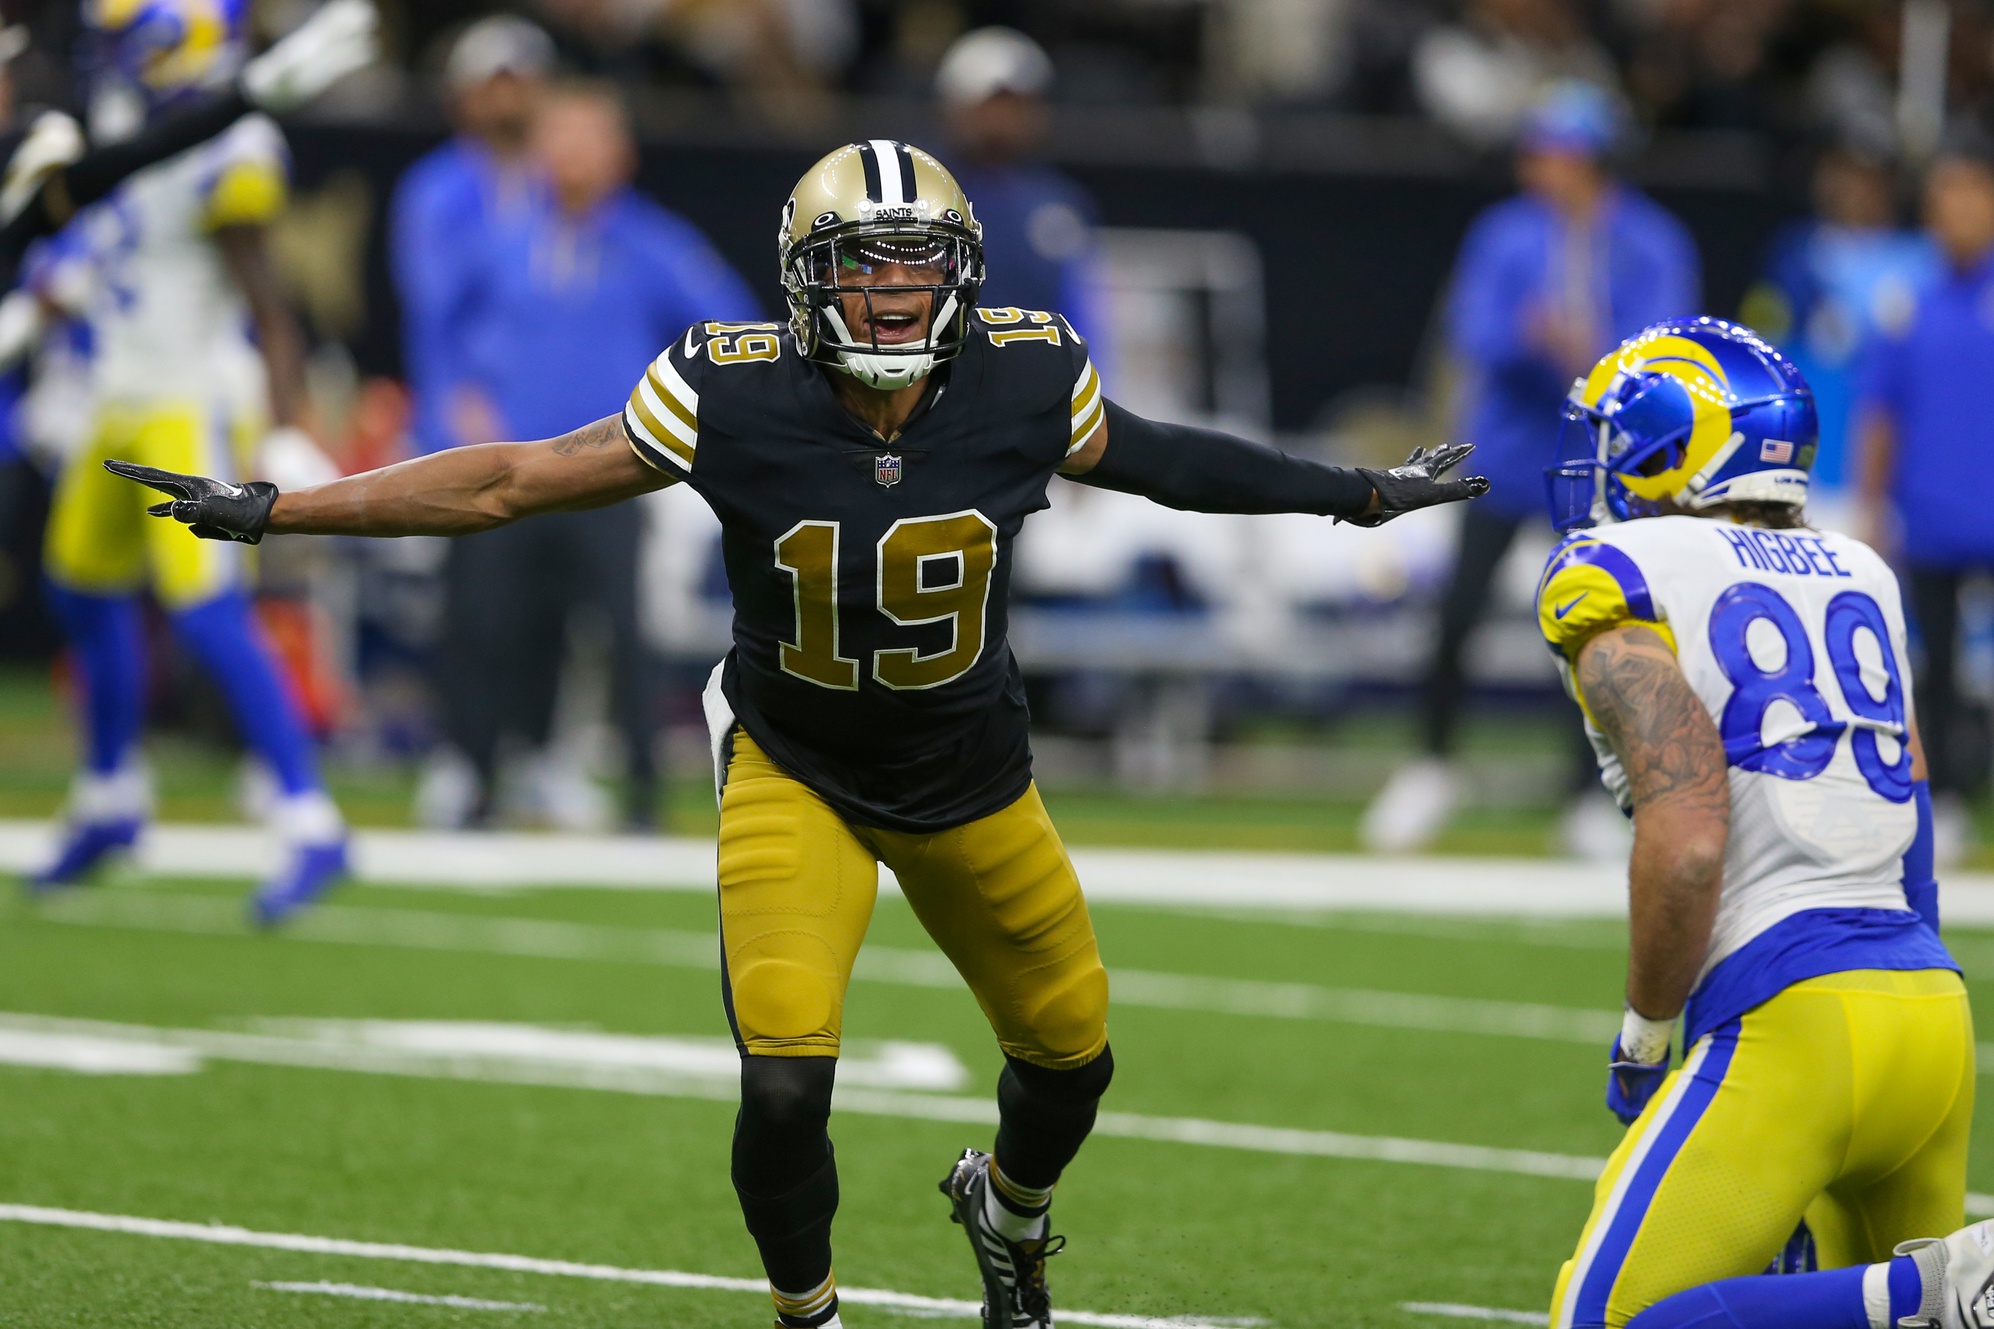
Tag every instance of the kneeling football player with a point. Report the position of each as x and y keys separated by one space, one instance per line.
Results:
x=1745 y=681
x=871 y=463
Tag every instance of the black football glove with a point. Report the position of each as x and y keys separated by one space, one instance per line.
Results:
x=215 y=509
x=1416 y=483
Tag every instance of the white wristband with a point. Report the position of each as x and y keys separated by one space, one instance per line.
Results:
x=1645 y=1040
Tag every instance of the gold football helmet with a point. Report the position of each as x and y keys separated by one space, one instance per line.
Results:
x=866 y=206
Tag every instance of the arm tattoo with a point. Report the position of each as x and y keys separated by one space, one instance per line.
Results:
x=1656 y=723
x=589 y=437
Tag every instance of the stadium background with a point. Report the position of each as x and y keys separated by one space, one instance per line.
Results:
x=1353 y=1090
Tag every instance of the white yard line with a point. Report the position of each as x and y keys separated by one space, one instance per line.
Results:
x=359 y=1293
x=223 y=1235
x=1460 y=1312
x=311 y=1048
x=501 y=861
x=398 y=1057
x=547 y=939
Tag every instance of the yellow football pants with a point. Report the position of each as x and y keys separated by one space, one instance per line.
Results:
x=100 y=540
x=1845 y=1100
x=998 y=895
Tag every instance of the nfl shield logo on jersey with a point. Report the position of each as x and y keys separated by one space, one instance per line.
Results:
x=886 y=469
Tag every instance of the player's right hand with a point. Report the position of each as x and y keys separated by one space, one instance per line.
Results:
x=215 y=509
x=52 y=142
x=1630 y=1084
x=324 y=49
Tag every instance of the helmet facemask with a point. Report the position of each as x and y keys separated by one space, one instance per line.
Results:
x=1627 y=454
x=876 y=264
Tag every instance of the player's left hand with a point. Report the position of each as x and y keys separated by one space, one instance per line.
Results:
x=325 y=48
x=1416 y=483
x=215 y=509
x=1630 y=1084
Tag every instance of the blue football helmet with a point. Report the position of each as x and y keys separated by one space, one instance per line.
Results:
x=1691 y=412
x=141 y=57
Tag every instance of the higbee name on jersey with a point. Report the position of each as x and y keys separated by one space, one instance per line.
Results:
x=870 y=577
x=1795 y=642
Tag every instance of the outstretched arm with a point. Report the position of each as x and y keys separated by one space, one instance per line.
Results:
x=1676 y=768
x=51 y=177
x=459 y=491
x=1205 y=470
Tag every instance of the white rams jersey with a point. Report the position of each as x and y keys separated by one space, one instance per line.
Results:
x=1795 y=642
x=168 y=320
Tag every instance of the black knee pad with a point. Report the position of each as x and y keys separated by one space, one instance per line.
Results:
x=1045 y=1115
x=1080 y=1085
x=781 y=1135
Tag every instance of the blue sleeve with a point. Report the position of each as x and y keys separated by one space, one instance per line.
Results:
x=1490 y=300
x=692 y=282
x=1921 y=887
x=433 y=268
x=1882 y=380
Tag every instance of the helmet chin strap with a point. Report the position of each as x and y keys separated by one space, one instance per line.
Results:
x=887 y=372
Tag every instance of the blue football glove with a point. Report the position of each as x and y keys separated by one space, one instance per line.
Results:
x=1630 y=1084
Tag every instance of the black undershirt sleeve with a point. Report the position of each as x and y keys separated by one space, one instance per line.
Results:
x=76 y=186
x=1204 y=470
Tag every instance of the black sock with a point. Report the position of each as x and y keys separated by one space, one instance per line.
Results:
x=1044 y=1115
x=784 y=1170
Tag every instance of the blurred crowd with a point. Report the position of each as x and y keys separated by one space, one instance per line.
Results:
x=534 y=282
x=1794 y=68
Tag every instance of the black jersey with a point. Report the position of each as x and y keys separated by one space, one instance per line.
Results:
x=870 y=579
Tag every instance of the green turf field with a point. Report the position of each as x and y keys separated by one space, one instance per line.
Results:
x=1460 y=1033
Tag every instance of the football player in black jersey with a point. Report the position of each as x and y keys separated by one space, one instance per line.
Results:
x=871 y=462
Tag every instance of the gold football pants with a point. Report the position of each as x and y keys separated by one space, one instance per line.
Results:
x=99 y=539
x=1846 y=1099
x=998 y=895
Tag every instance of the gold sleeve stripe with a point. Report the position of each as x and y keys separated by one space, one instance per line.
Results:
x=1088 y=407
x=682 y=422
x=671 y=417
x=656 y=446
x=645 y=452
x=675 y=390
x=663 y=430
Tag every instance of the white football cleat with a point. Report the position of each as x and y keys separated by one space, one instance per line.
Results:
x=1413 y=808
x=1956 y=1272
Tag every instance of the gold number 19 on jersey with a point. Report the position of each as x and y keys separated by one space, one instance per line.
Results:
x=929 y=570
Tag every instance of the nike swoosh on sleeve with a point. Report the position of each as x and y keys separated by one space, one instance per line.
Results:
x=1569 y=605
x=690 y=348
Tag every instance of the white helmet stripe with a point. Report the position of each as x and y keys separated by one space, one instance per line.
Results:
x=893 y=189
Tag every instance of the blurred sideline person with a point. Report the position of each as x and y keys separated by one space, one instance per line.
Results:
x=1545 y=283
x=446 y=210
x=1037 y=223
x=448 y=203
x=1744 y=679
x=1834 y=282
x=871 y=464
x=1927 y=406
x=570 y=300
x=182 y=269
